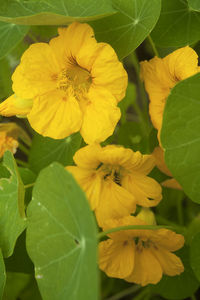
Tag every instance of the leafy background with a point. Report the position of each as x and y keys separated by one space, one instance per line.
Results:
x=36 y=193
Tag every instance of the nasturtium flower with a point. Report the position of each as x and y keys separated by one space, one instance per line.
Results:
x=9 y=134
x=67 y=85
x=140 y=256
x=158 y=154
x=115 y=180
x=161 y=74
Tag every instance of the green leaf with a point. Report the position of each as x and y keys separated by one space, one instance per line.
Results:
x=45 y=150
x=180 y=135
x=2 y=275
x=195 y=255
x=177 y=26
x=180 y=286
x=12 y=218
x=51 y=12
x=127 y=29
x=61 y=238
x=194 y=4
x=15 y=284
x=10 y=36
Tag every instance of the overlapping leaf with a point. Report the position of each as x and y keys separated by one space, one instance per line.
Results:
x=178 y=25
x=12 y=216
x=127 y=29
x=61 y=238
x=51 y=12
x=180 y=135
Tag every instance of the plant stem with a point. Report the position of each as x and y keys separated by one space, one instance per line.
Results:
x=193 y=297
x=142 y=294
x=125 y=292
x=23 y=149
x=180 y=209
x=21 y=162
x=29 y=185
x=132 y=227
x=33 y=38
x=161 y=219
x=155 y=51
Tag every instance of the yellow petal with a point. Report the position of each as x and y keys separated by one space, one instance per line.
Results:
x=90 y=182
x=144 y=164
x=158 y=154
x=55 y=115
x=116 y=155
x=182 y=63
x=172 y=183
x=114 y=202
x=147 y=269
x=170 y=263
x=88 y=157
x=109 y=73
x=146 y=190
x=14 y=105
x=100 y=116
x=116 y=259
x=36 y=73
x=167 y=239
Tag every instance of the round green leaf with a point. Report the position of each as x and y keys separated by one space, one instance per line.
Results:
x=2 y=275
x=195 y=255
x=51 y=12
x=194 y=4
x=127 y=29
x=62 y=238
x=10 y=36
x=180 y=135
x=178 y=25
x=12 y=220
x=180 y=286
x=45 y=150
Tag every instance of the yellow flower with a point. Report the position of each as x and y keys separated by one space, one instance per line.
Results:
x=71 y=84
x=161 y=74
x=140 y=256
x=9 y=133
x=158 y=154
x=115 y=180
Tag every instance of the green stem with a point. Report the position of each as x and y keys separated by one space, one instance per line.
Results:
x=161 y=219
x=132 y=227
x=125 y=292
x=180 y=209
x=23 y=149
x=193 y=297
x=21 y=162
x=142 y=294
x=155 y=51
x=29 y=185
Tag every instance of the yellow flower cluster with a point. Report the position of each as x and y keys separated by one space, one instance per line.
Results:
x=74 y=84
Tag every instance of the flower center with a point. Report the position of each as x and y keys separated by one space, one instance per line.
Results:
x=113 y=173
x=74 y=79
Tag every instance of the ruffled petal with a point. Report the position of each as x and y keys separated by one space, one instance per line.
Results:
x=116 y=155
x=167 y=239
x=116 y=259
x=36 y=73
x=158 y=154
x=90 y=182
x=146 y=190
x=109 y=73
x=143 y=165
x=114 y=202
x=170 y=263
x=88 y=156
x=55 y=115
x=100 y=116
x=14 y=105
x=147 y=269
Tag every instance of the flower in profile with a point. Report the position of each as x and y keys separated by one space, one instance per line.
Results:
x=72 y=83
x=9 y=134
x=115 y=180
x=141 y=256
x=158 y=154
x=161 y=74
